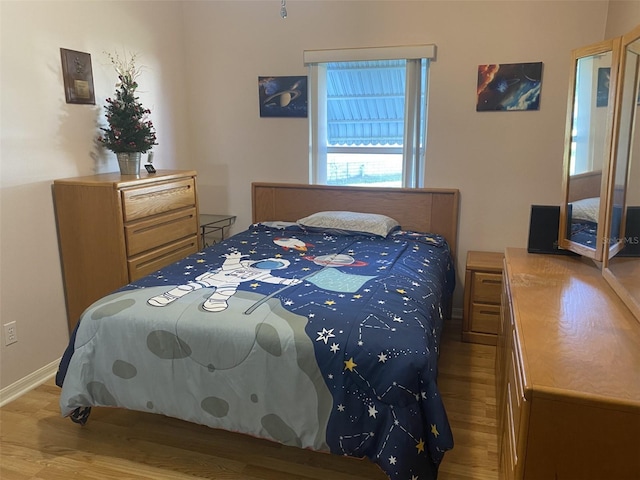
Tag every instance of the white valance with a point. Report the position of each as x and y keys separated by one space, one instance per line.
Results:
x=372 y=53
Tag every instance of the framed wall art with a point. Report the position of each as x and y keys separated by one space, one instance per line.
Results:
x=509 y=86
x=78 y=77
x=283 y=96
x=602 y=89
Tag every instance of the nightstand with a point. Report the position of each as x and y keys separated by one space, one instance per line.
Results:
x=214 y=224
x=482 y=292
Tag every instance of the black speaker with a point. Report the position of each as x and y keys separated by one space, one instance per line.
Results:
x=632 y=234
x=543 y=230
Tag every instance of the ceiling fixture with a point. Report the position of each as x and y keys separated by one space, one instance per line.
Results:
x=283 y=8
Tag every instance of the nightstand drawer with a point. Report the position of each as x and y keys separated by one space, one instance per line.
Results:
x=158 y=198
x=157 y=231
x=487 y=287
x=485 y=318
x=482 y=297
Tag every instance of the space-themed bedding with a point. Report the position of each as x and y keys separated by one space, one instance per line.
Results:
x=583 y=217
x=317 y=340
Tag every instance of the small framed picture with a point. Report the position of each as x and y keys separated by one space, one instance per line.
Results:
x=283 y=96
x=509 y=87
x=78 y=77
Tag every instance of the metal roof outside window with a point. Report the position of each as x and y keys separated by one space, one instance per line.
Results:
x=365 y=103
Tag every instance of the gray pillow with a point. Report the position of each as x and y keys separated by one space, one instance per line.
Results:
x=350 y=223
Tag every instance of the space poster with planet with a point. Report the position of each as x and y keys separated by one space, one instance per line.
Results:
x=509 y=86
x=283 y=96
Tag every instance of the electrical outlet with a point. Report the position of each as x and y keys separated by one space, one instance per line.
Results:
x=10 y=333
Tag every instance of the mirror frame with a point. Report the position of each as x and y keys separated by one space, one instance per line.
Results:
x=606 y=46
x=631 y=300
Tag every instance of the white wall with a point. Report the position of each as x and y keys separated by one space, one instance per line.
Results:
x=502 y=162
x=622 y=16
x=204 y=58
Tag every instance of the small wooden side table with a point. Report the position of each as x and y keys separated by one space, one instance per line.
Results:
x=482 y=294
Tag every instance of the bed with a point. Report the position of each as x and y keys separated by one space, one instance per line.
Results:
x=584 y=207
x=583 y=215
x=315 y=336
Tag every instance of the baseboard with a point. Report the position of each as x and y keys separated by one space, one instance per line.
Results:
x=28 y=383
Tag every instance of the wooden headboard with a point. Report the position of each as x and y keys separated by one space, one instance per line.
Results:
x=585 y=185
x=433 y=210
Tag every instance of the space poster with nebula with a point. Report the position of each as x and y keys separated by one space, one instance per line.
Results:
x=509 y=86
x=283 y=96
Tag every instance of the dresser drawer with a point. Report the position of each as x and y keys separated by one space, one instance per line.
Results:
x=157 y=198
x=160 y=230
x=487 y=287
x=518 y=382
x=509 y=453
x=485 y=318
x=515 y=406
x=149 y=262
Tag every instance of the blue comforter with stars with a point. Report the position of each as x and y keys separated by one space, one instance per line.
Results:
x=320 y=340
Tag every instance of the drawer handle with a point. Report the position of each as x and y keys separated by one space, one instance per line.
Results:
x=162 y=224
x=165 y=255
x=168 y=191
x=489 y=312
x=493 y=282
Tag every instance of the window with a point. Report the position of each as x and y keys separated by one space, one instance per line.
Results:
x=368 y=111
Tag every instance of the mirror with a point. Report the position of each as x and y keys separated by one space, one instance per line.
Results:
x=587 y=148
x=621 y=267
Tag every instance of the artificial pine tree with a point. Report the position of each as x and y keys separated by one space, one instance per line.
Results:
x=130 y=129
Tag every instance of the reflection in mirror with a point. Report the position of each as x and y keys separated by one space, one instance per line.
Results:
x=623 y=270
x=587 y=147
x=623 y=148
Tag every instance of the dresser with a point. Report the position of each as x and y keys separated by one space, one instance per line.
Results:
x=114 y=229
x=567 y=373
x=482 y=293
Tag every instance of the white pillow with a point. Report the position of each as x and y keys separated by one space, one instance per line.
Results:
x=586 y=209
x=350 y=223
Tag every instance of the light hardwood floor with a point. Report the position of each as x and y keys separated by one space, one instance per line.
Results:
x=37 y=444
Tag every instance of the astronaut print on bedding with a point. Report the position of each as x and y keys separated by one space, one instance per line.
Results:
x=316 y=340
x=225 y=280
x=208 y=374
